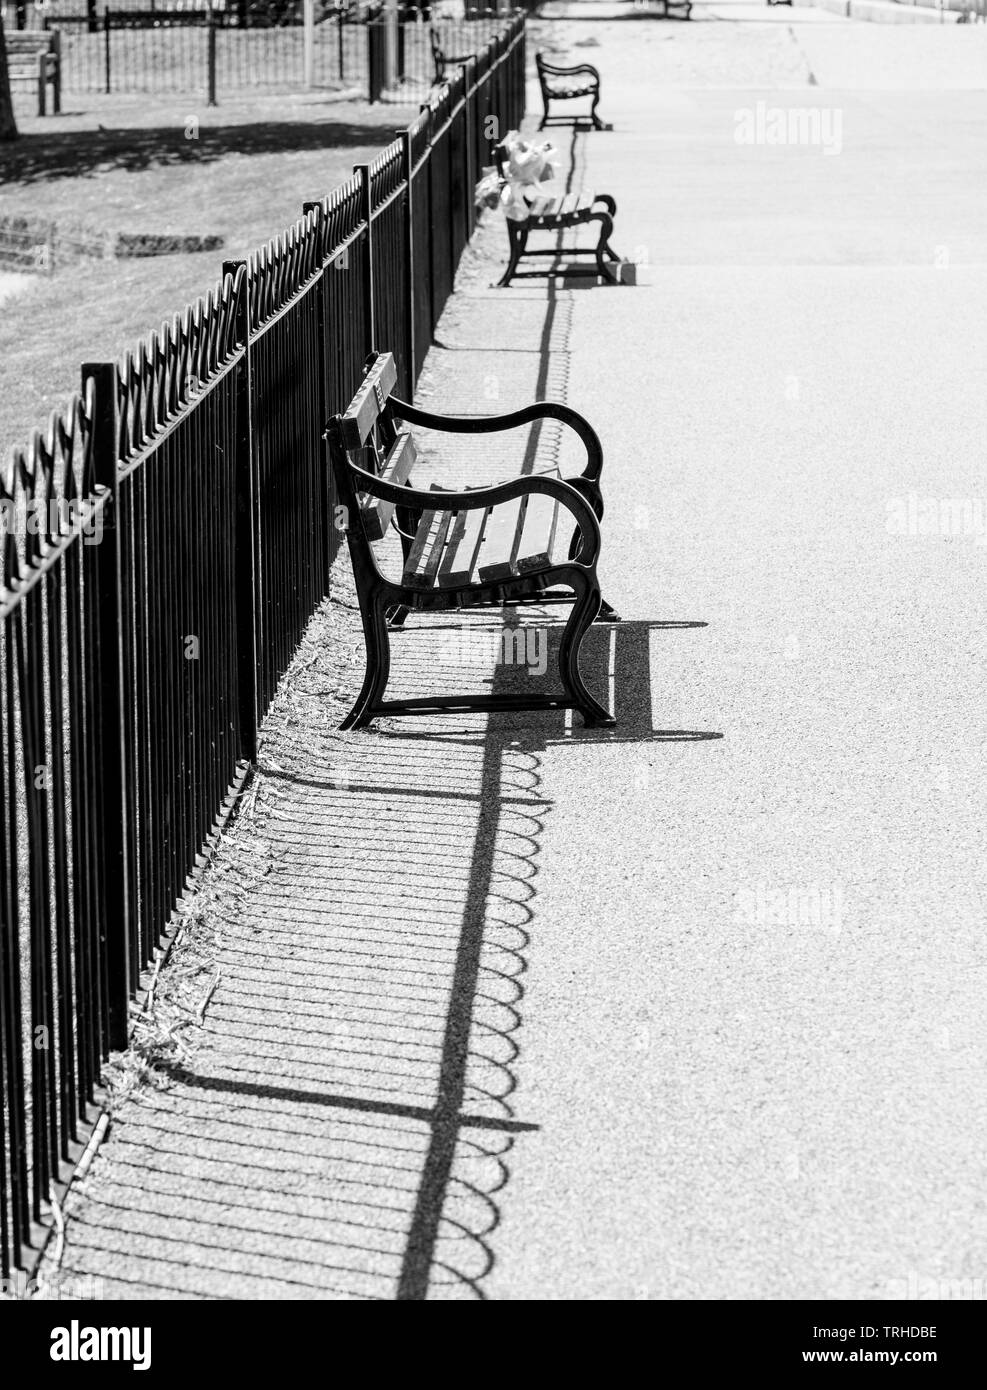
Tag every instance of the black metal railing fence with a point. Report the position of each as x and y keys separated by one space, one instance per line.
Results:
x=205 y=52
x=164 y=545
x=173 y=48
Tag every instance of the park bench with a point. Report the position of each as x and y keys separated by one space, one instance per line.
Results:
x=443 y=60
x=568 y=84
x=480 y=547
x=554 y=215
x=34 y=60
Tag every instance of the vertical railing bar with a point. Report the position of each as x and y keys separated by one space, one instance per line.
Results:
x=362 y=172
x=246 y=571
x=115 y=926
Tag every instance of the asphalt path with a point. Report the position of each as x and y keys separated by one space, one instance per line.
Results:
x=694 y=1008
x=754 y=1022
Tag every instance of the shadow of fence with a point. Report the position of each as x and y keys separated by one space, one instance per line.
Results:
x=343 y=1126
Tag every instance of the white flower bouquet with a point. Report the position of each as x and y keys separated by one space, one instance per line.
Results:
x=525 y=166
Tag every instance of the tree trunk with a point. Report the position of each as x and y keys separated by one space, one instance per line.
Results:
x=8 y=126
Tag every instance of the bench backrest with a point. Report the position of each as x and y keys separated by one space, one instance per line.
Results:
x=370 y=440
x=32 y=55
x=31 y=42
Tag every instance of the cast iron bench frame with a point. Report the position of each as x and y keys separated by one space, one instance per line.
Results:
x=34 y=58
x=554 y=215
x=379 y=496
x=551 y=79
x=442 y=60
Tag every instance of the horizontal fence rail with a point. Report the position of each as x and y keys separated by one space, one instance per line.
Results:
x=197 y=50
x=204 y=52
x=164 y=545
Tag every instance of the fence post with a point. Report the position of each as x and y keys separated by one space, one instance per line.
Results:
x=211 y=58
x=472 y=173
x=362 y=172
x=519 y=65
x=115 y=928
x=430 y=251
x=308 y=14
x=409 y=260
x=449 y=233
x=244 y=545
x=376 y=55
x=326 y=498
x=106 y=47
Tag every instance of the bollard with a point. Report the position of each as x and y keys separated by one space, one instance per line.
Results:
x=211 y=58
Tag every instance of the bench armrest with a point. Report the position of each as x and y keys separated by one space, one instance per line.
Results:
x=492 y=424
x=482 y=497
x=569 y=72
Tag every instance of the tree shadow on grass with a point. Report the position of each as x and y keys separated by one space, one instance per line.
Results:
x=70 y=154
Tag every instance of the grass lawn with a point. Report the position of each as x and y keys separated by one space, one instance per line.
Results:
x=134 y=164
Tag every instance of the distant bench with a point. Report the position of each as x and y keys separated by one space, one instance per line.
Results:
x=555 y=215
x=483 y=547
x=442 y=60
x=568 y=84
x=34 y=60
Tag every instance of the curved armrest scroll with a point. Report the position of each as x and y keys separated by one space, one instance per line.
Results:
x=492 y=424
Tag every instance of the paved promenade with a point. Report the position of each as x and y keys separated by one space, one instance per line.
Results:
x=501 y=1008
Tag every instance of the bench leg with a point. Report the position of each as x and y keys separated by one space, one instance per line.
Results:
x=584 y=610
x=517 y=238
x=590 y=489
x=603 y=246
x=407 y=521
x=378 y=664
x=597 y=123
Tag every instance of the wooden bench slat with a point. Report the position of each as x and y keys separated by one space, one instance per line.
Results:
x=542 y=206
x=462 y=548
x=34 y=40
x=502 y=540
x=541 y=523
x=427 y=548
x=369 y=400
x=400 y=460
